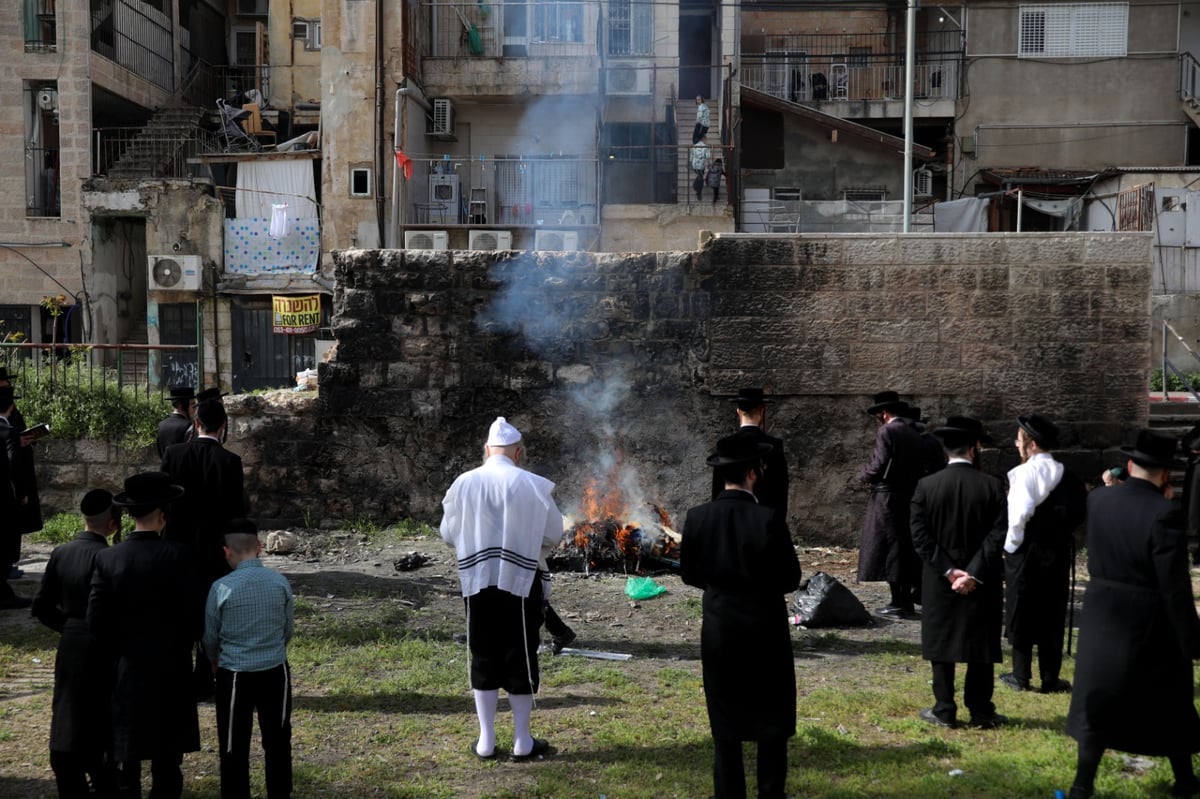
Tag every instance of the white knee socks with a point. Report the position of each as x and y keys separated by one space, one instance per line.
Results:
x=522 y=708
x=485 y=709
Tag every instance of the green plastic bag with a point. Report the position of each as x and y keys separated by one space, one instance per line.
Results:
x=643 y=588
x=474 y=41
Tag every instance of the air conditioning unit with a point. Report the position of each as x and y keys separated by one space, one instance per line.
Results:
x=253 y=8
x=489 y=240
x=922 y=185
x=426 y=240
x=556 y=240
x=629 y=77
x=173 y=272
x=441 y=124
x=48 y=100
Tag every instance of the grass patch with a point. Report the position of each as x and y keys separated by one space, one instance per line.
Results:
x=63 y=527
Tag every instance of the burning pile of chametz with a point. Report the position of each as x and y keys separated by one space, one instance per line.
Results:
x=607 y=537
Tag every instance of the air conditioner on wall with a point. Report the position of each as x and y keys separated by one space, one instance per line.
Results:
x=489 y=240
x=629 y=77
x=173 y=272
x=441 y=123
x=922 y=184
x=48 y=100
x=426 y=240
x=556 y=240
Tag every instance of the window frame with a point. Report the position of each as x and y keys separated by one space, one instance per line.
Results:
x=1073 y=30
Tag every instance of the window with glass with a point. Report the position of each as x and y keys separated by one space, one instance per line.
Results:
x=630 y=28
x=41 y=27
x=42 y=194
x=557 y=22
x=1073 y=30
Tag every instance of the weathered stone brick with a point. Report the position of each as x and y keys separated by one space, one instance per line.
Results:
x=925 y=249
x=906 y=330
x=1039 y=248
x=869 y=250
x=1118 y=248
x=875 y=355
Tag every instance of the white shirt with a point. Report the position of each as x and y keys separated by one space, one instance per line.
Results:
x=1028 y=486
x=702 y=115
x=499 y=518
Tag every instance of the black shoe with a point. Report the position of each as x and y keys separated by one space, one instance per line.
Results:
x=928 y=715
x=541 y=748
x=558 y=642
x=15 y=603
x=989 y=722
x=1056 y=686
x=1079 y=793
x=895 y=610
x=1016 y=683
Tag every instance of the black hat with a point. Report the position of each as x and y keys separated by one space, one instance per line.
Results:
x=886 y=401
x=1154 y=450
x=95 y=502
x=148 y=490
x=909 y=412
x=211 y=414
x=209 y=394
x=738 y=448
x=1043 y=431
x=962 y=429
x=748 y=399
x=1191 y=439
x=182 y=393
x=4 y=375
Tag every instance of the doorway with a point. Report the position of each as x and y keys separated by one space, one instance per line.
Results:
x=698 y=51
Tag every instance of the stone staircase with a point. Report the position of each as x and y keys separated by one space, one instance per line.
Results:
x=685 y=123
x=1174 y=418
x=160 y=149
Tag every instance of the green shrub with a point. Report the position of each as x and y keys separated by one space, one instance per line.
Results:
x=1174 y=383
x=62 y=527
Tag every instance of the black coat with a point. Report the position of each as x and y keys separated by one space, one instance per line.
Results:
x=740 y=553
x=145 y=610
x=959 y=519
x=213 y=481
x=9 y=444
x=80 y=721
x=28 y=515
x=172 y=430
x=1139 y=632
x=1037 y=576
x=1191 y=498
x=772 y=488
x=895 y=465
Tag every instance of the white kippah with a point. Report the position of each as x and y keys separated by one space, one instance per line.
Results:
x=502 y=434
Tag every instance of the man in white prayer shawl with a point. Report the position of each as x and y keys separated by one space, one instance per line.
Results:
x=500 y=519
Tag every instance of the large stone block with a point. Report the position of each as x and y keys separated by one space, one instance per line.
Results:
x=906 y=330
x=870 y=250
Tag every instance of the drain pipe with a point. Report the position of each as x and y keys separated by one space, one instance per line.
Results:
x=403 y=91
x=379 y=119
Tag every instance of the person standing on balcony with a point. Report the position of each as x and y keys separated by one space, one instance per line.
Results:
x=703 y=119
x=500 y=518
x=701 y=159
x=174 y=429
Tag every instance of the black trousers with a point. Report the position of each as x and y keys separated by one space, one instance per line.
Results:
x=240 y=694
x=729 y=772
x=699 y=132
x=1050 y=656
x=71 y=773
x=977 y=690
x=166 y=778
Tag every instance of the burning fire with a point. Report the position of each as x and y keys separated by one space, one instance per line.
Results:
x=607 y=537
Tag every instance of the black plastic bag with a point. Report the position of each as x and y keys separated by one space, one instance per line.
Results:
x=825 y=602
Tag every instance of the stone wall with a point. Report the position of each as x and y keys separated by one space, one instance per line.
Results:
x=618 y=367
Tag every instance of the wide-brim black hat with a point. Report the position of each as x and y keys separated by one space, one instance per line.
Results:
x=1154 y=450
x=886 y=401
x=95 y=502
x=1043 y=431
x=211 y=414
x=962 y=428
x=738 y=448
x=209 y=394
x=750 y=398
x=1191 y=439
x=148 y=490
x=182 y=393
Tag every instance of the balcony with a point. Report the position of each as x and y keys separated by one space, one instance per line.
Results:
x=538 y=48
x=41 y=26
x=858 y=76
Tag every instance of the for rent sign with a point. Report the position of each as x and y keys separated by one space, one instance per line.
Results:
x=296 y=314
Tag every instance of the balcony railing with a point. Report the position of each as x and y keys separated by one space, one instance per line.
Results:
x=513 y=30
x=502 y=190
x=864 y=67
x=136 y=36
x=150 y=153
x=41 y=26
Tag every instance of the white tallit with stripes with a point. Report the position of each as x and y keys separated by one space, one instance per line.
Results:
x=499 y=518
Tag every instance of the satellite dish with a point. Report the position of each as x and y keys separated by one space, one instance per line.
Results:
x=167 y=273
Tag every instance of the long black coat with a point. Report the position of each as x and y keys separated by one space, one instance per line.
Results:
x=28 y=515
x=80 y=721
x=1139 y=632
x=772 y=488
x=959 y=519
x=1191 y=498
x=1037 y=576
x=895 y=465
x=10 y=534
x=214 y=493
x=145 y=610
x=172 y=430
x=741 y=554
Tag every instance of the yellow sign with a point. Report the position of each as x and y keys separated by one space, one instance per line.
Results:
x=296 y=314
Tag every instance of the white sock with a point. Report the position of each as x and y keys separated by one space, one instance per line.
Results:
x=522 y=708
x=485 y=709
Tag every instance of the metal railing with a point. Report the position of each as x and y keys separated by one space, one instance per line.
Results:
x=41 y=181
x=150 y=152
x=40 y=26
x=830 y=216
x=508 y=30
x=137 y=36
x=147 y=369
x=1189 y=76
x=1169 y=369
